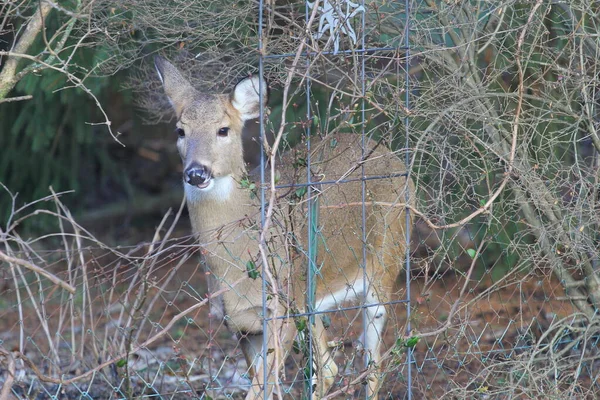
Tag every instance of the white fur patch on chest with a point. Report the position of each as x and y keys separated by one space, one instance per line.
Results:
x=219 y=189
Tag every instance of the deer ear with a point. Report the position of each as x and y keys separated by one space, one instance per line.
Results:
x=246 y=96
x=179 y=91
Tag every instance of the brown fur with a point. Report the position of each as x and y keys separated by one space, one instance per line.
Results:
x=227 y=226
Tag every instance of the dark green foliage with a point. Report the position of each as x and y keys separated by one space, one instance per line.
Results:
x=50 y=140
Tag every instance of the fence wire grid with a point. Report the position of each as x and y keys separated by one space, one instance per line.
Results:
x=464 y=133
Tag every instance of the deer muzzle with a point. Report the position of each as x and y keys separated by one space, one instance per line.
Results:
x=198 y=176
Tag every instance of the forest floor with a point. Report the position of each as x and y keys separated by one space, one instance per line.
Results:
x=197 y=357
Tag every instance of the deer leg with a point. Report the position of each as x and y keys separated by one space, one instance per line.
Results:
x=252 y=347
x=372 y=338
x=325 y=368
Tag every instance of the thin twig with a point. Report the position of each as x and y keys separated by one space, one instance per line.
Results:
x=16 y=98
x=76 y=81
x=454 y=307
x=32 y=267
x=45 y=378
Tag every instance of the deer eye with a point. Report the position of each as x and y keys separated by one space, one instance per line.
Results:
x=223 y=132
x=180 y=132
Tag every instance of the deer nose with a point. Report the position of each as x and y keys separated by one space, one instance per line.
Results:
x=196 y=175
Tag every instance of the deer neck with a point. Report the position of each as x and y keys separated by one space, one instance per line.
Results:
x=223 y=212
x=224 y=220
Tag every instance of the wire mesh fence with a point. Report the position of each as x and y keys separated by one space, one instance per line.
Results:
x=419 y=218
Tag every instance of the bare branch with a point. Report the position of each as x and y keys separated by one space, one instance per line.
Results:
x=32 y=29
x=32 y=267
x=17 y=98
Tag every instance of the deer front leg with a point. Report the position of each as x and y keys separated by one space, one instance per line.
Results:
x=325 y=368
x=251 y=345
x=281 y=334
x=372 y=338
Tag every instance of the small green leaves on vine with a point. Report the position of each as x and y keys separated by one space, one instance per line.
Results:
x=316 y=120
x=251 y=269
x=301 y=324
x=402 y=344
x=306 y=370
x=411 y=341
x=299 y=162
x=471 y=253
x=246 y=183
x=300 y=192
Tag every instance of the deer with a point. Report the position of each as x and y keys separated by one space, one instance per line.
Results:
x=225 y=216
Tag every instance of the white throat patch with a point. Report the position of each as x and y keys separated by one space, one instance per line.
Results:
x=219 y=189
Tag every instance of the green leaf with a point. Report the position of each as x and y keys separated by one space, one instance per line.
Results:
x=245 y=183
x=411 y=341
x=306 y=371
x=301 y=191
x=299 y=162
x=301 y=324
x=121 y=363
x=252 y=271
x=316 y=120
x=471 y=253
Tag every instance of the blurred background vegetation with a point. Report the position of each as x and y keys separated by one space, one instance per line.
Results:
x=88 y=63
x=57 y=137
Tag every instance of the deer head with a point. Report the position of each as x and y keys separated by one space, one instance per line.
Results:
x=209 y=129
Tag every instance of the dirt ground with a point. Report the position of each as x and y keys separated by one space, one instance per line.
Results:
x=198 y=358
